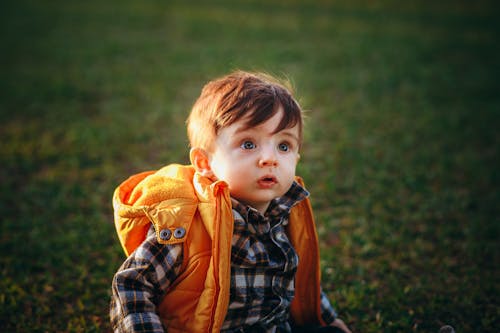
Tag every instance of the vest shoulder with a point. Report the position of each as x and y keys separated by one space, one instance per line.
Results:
x=175 y=204
x=172 y=219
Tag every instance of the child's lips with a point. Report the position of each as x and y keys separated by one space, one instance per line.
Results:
x=267 y=181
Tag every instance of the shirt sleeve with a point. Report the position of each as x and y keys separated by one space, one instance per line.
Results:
x=140 y=283
x=328 y=313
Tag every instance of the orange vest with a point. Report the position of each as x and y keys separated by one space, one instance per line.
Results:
x=175 y=198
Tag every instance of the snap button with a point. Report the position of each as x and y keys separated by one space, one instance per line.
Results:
x=179 y=232
x=165 y=234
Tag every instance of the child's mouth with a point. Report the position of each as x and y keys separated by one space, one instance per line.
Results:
x=267 y=181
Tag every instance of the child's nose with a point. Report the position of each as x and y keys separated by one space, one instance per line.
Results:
x=268 y=158
x=268 y=163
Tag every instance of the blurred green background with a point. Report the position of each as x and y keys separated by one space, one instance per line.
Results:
x=401 y=152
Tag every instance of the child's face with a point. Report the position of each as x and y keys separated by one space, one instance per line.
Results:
x=258 y=164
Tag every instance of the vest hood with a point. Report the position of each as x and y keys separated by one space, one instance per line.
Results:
x=168 y=198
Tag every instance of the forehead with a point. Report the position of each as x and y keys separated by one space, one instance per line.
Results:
x=277 y=124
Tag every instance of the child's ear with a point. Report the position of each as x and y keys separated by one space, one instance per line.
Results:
x=201 y=162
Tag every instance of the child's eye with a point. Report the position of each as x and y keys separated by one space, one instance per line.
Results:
x=284 y=147
x=248 y=145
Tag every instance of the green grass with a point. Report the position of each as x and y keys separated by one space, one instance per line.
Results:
x=401 y=150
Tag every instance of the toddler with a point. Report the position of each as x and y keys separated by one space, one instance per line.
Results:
x=228 y=243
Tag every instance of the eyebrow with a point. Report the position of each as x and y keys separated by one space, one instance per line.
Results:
x=289 y=134
x=285 y=131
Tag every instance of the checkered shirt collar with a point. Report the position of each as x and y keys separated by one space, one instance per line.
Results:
x=278 y=208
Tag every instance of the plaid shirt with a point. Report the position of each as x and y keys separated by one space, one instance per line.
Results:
x=263 y=266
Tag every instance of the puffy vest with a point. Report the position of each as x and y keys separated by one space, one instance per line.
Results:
x=187 y=208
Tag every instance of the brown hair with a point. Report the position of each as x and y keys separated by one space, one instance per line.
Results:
x=227 y=99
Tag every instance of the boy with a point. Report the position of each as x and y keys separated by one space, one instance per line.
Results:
x=229 y=243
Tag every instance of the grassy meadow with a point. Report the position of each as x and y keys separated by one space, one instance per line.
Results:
x=401 y=151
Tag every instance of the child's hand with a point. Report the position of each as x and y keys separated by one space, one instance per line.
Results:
x=340 y=324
